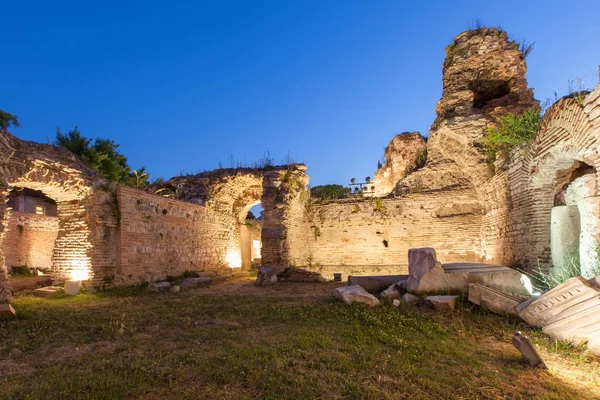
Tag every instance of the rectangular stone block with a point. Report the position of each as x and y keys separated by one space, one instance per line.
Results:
x=494 y=300
x=6 y=310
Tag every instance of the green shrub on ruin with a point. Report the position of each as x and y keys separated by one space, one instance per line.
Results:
x=509 y=132
x=103 y=156
x=7 y=119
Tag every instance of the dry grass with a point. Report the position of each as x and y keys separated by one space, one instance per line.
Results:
x=291 y=341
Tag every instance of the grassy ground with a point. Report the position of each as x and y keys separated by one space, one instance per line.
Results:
x=291 y=341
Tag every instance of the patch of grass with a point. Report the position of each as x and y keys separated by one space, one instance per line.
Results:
x=290 y=341
x=509 y=132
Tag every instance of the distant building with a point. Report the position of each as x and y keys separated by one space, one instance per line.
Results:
x=32 y=202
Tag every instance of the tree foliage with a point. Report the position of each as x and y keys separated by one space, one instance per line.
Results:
x=7 y=119
x=329 y=192
x=103 y=156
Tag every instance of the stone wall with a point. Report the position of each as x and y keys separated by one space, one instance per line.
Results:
x=29 y=240
x=526 y=187
x=373 y=237
x=161 y=237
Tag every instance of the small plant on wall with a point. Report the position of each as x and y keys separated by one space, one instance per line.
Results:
x=509 y=132
x=316 y=231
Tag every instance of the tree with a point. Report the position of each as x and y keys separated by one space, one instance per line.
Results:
x=353 y=181
x=7 y=119
x=328 y=192
x=104 y=157
x=368 y=179
x=250 y=215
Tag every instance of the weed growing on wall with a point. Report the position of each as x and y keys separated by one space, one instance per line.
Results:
x=509 y=132
x=421 y=159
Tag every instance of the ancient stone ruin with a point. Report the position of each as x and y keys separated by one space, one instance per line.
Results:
x=529 y=208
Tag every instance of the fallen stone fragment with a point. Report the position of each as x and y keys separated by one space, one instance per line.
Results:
x=5 y=294
x=426 y=274
x=569 y=312
x=396 y=303
x=527 y=350
x=266 y=276
x=355 y=294
x=219 y=278
x=573 y=296
x=411 y=299
x=494 y=300
x=442 y=303
x=421 y=261
x=375 y=283
x=6 y=310
x=390 y=294
x=159 y=286
x=196 y=282
x=46 y=292
x=175 y=289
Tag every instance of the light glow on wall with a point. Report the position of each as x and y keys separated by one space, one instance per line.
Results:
x=80 y=271
x=233 y=259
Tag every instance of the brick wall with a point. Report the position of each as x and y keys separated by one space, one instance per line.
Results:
x=161 y=237
x=348 y=236
x=30 y=240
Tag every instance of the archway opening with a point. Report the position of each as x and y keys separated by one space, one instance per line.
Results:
x=31 y=230
x=574 y=218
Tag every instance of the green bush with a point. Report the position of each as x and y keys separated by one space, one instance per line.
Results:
x=21 y=270
x=509 y=132
x=421 y=159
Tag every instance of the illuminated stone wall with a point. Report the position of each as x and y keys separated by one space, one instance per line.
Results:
x=30 y=240
x=371 y=237
x=161 y=237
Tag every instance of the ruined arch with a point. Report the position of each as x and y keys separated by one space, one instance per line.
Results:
x=282 y=191
x=563 y=151
x=58 y=174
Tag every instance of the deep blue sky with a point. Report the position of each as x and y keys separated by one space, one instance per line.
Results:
x=180 y=85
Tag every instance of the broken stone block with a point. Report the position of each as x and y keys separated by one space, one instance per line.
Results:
x=266 y=276
x=390 y=294
x=46 y=291
x=195 y=282
x=6 y=310
x=219 y=278
x=159 y=286
x=376 y=283
x=352 y=294
x=493 y=300
x=442 y=303
x=5 y=294
x=396 y=303
x=572 y=296
x=175 y=289
x=420 y=262
x=527 y=350
x=402 y=285
x=426 y=274
x=411 y=299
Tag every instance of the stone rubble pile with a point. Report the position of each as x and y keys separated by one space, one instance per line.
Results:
x=569 y=312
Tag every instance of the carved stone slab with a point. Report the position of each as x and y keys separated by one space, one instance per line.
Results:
x=494 y=300
x=574 y=296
